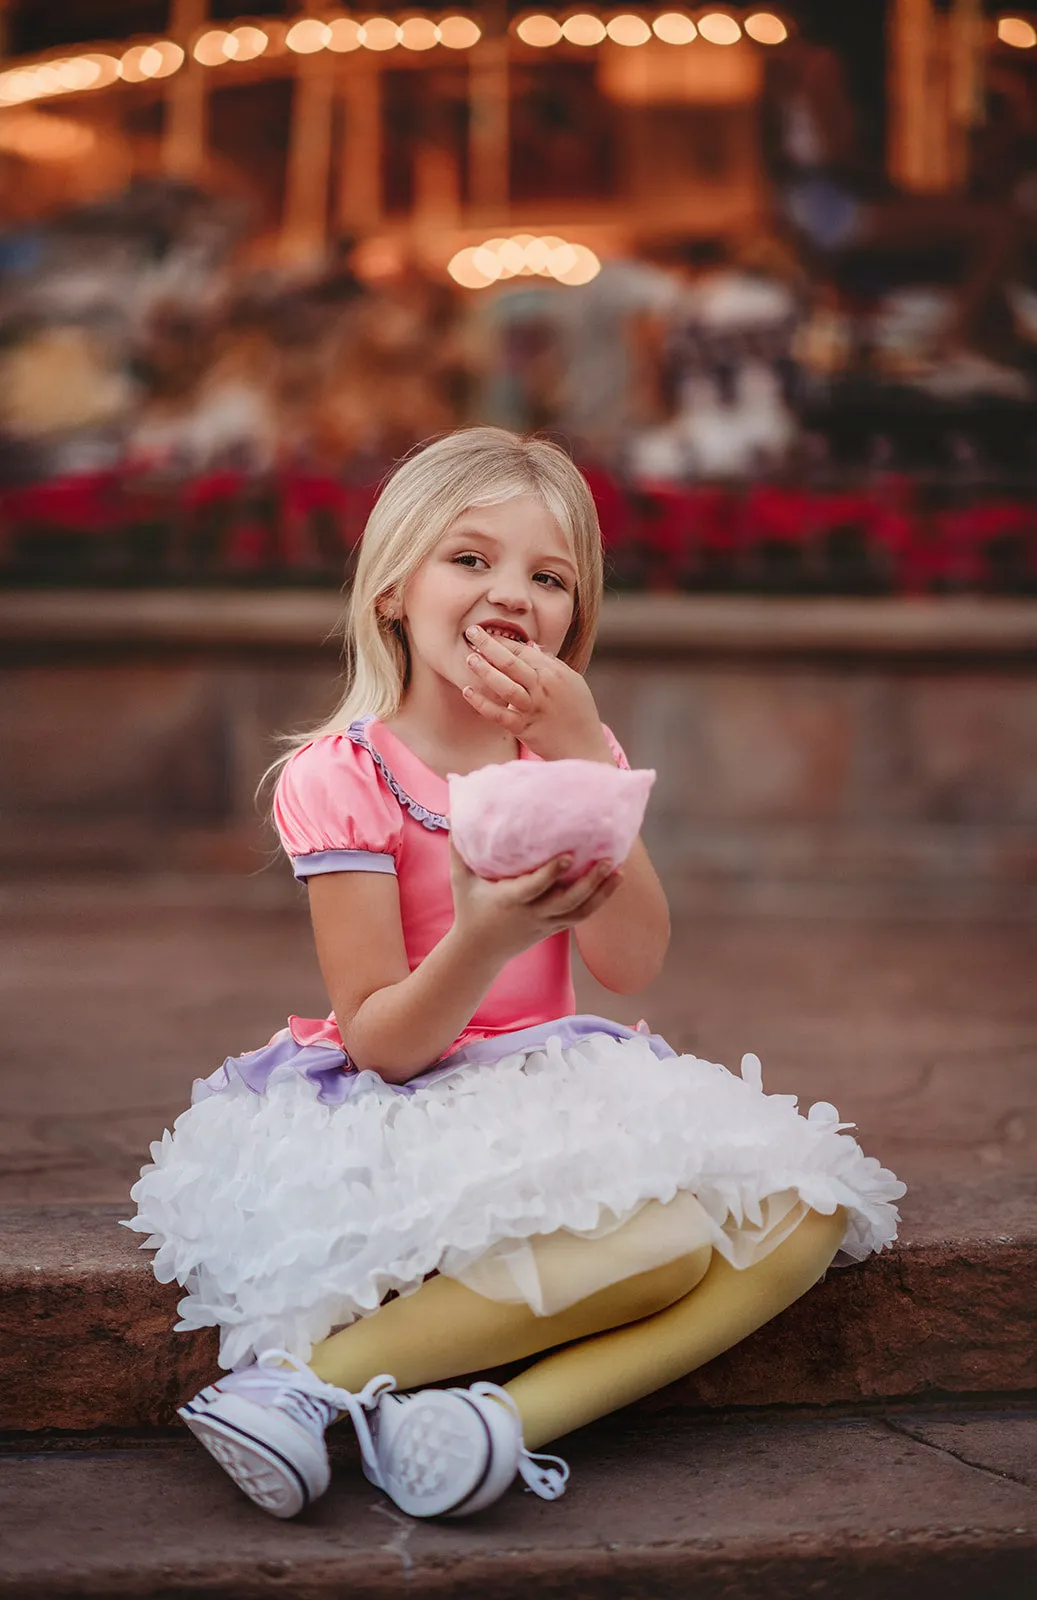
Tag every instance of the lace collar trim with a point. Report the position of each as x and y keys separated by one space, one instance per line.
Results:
x=428 y=819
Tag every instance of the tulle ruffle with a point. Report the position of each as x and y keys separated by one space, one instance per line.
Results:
x=285 y=1216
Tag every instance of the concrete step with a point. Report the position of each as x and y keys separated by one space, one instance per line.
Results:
x=86 y=1338
x=898 y=1506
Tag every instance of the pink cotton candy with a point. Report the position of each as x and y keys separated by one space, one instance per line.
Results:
x=510 y=819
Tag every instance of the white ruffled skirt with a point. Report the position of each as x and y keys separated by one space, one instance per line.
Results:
x=286 y=1210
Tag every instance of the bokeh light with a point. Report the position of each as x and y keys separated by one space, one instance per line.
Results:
x=765 y=28
x=583 y=29
x=418 y=33
x=211 y=49
x=673 y=27
x=459 y=33
x=539 y=31
x=1017 y=31
x=308 y=36
x=343 y=35
x=523 y=255
x=719 y=28
x=248 y=43
x=628 y=30
x=378 y=33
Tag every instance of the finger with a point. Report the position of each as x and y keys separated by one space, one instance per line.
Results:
x=535 y=885
x=506 y=654
x=498 y=682
x=566 y=898
x=505 y=716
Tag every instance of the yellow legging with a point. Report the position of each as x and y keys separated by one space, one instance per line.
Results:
x=619 y=1344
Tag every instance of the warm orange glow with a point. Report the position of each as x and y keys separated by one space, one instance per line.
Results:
x=628 y=30
x=719 y=28
x=463 y=269
x=524 y=255
x=459 y=33
x=211 y=49
x=38 y=136
x=108 y=68
x=539 y=31
x=765 y=28
x=583 y=29
x=248 y=43
x=580 y=265
x=344 y=35
x=171 y=58
x=68 y=76
x=1016 y=31
x=308 y=36
x=144 y=61
x=82 y=72
x=378 y=33
x=17 y=86
x=418 y=33
x=673 y=27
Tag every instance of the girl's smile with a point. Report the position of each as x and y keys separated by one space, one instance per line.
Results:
x=506 y=568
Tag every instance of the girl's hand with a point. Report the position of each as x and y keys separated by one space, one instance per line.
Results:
x=536 y=697
x=513 y=914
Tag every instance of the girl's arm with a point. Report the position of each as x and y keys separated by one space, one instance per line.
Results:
x=551 y=709
x=624 y=944
x=397 y=1022
x=392 y=1020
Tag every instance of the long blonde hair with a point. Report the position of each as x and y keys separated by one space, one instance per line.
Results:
x=422 y=497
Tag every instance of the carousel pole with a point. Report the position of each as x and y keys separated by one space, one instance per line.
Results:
x=488 y=138
x=304 y=229
x=967 y=63
x=358 y=207
x=184 y=137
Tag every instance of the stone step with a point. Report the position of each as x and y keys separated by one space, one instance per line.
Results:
x=86 y=1338
x=894 y=1506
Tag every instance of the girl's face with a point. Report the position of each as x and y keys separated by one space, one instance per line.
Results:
x=507 y=567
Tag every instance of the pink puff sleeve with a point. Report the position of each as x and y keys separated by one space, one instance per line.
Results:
x=616 y=748
x=334 y=813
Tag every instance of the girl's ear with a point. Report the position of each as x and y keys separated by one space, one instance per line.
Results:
x=388 y=606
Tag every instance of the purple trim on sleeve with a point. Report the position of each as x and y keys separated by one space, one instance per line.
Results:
x=428 y=819
x=318 y=861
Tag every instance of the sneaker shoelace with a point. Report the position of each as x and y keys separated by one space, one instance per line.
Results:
x=310 y=1399
x=545 y=1475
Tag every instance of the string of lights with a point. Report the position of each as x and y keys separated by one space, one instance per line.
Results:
x=153 y=59
x=44 y=78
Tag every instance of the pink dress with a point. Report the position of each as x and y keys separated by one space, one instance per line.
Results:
x=298 y=1189
x=362 y=801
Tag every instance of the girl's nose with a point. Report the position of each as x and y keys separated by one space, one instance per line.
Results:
x=510 y=593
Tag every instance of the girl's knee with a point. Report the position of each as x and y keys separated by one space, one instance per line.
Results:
x=663 y=1286
x=819 y=1235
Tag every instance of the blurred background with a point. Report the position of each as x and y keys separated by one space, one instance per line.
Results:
x=770 y=274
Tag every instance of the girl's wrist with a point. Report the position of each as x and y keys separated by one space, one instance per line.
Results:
x=476 y=951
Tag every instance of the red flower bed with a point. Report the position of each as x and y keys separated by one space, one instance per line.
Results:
x=303 y=528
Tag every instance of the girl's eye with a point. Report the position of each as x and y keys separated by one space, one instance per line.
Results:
x=551 y=579
x=468 y=560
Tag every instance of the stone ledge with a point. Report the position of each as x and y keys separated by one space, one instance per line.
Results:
x=762 y=1510
x=73 y=621
x=86 y=1336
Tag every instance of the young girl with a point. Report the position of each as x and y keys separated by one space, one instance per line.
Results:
x=525 y=1179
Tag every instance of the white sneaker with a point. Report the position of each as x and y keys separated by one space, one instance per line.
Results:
x=265 y=1426
x=451 y=1452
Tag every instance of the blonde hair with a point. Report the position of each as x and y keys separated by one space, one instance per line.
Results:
x=428 y=491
